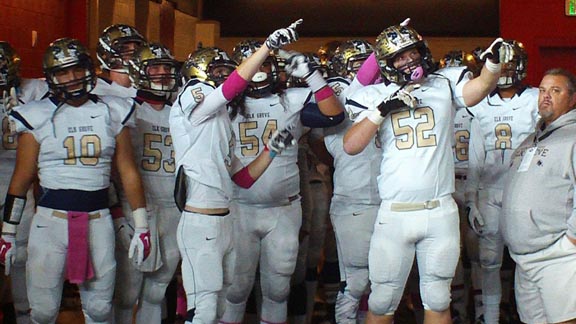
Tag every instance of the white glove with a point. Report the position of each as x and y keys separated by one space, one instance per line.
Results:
x=10 y=99
x=493 y=51
x=280 y=140
x=124 y=232
x=405 y=95
x=297 y=65
x=7 y=251
x=283 y=36
x=475 y=219
x=140 y=245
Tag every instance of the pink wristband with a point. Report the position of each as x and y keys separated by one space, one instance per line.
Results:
x=233 y=86
x=116 y=212
x=369 y=70
x=243 y=178
x=323 y=93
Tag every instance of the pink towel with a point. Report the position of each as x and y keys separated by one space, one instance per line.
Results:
x=78 y=263
x=181 y=303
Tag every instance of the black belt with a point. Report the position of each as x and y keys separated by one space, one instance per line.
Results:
x=76 y=200
x=461 y=177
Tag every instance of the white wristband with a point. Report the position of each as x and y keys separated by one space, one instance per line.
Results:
x=8 y=228
x=493 y=67
x=140 y=218
x=315 y=81
x=375 y=117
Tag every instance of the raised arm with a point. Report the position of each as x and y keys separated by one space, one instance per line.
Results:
x=478 y=88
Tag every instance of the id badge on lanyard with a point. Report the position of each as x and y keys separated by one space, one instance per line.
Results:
x=527 y=159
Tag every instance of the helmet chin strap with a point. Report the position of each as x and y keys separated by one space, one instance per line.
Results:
x=417 y=74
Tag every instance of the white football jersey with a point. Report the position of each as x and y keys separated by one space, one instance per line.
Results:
x=105 y=87
x=76 y=143
x=355 y=176
x=153 y=152
x=461 y=139
x=204 y=144
x=252 y=130
x=29 y=90
x=417 y=163
x=498 y=128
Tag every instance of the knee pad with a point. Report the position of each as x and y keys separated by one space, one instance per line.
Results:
x=98 y=310
x=153 y=291
x=240 y=289
x=490 y=259
x=436 y=295
x=357 y=282
x=384 y=299
x=276 y=287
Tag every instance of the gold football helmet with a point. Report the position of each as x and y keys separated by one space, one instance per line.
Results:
x=395 y=40
x=514 y=71
x=325 y=54
x=265 y=80
x=453 y=59
x=349 y=56
x=64 y=54
x=208 y=64
x=9 y=67
x=153 y=68
x=116 y=45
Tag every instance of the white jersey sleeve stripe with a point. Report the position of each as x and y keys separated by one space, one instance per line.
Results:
x=16 y=115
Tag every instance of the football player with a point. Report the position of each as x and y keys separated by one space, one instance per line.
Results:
x=70 y=141
x=270 y=212
x=16 y=91
x=501 y=122
x=204 y=151
x=412 y=119
x=355 y=199
x=116 y=46
x=154 y=72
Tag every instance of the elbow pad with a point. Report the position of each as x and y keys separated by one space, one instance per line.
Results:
x=312 y=117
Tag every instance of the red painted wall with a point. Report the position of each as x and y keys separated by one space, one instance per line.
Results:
x=549 y=35
x=51 y=19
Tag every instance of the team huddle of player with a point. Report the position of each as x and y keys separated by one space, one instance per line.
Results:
x=119 y=178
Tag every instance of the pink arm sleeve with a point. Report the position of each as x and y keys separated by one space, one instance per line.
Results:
x=233 y=86
x=369 y=70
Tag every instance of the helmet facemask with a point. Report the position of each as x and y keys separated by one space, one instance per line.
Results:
x=514 y=72
x=265 y=80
